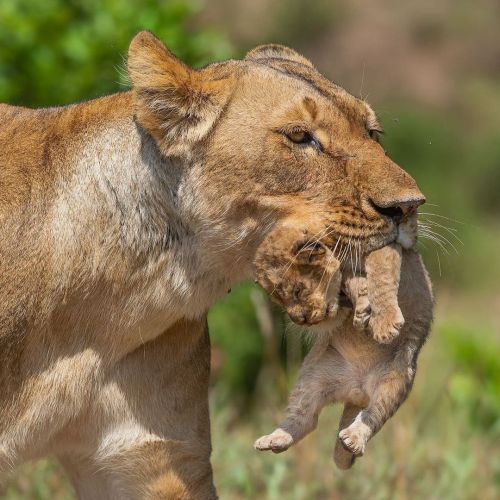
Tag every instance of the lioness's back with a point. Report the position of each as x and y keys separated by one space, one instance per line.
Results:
x=36 y=144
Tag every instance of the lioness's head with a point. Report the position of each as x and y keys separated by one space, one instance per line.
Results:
x=271 y=134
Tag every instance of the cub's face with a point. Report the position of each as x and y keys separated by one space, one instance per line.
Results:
x=270 y=133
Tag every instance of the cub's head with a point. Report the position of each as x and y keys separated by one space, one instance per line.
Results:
x=269 y=135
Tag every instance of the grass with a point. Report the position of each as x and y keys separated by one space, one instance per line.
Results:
x=444 y=443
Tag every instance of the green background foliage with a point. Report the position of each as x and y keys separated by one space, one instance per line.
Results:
x=444 y=442
x=56 y=52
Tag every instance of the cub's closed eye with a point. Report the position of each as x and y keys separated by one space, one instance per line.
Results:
x=303 y=137
x=375 y=133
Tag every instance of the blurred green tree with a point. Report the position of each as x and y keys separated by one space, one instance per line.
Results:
x=61 y=51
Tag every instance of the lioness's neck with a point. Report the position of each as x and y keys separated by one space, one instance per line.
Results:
x=143 y=218
x=121 y=225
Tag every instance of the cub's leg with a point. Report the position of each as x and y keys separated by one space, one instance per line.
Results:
x=387 y=396
x=316 y=386
x=383 y=269
x=394 y=380
x=343 y=457
x=356 y=288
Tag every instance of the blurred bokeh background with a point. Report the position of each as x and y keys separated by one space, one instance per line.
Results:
x=432 y=72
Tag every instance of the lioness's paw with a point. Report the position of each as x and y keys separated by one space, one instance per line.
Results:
x=386 y=326
x=277 y=441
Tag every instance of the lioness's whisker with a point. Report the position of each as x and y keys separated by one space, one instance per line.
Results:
x=441 y=237
x=328 y=233
x=452 y=231
x=430 y=221
x=344 y=252
x=360 y=256
x=290 y=264
x=442 y=217
x=428 y=230
x=341 y=250
x=324 y=272
x=439 y=263
x=335 y=247
x=309 y=244
x=316 y=239
x=357 y=257
x=350 y=252
x=431 y=237
x=332 y=256
x=423 y=244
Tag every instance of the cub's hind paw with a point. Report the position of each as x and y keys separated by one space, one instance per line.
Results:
x=353 y=441
x=277 y=441
x=386 y=325
x=343 y=457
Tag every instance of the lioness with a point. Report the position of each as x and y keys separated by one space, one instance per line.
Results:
x=124 y=219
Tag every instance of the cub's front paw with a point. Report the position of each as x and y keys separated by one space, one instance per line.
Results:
x=362 y=313
x=277 y=441
x=386 y=326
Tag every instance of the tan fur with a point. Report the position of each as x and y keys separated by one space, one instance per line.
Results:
x=371 y=375
x=124 y=219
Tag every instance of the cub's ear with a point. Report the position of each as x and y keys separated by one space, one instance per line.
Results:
x=178 y=105
x=263 y=53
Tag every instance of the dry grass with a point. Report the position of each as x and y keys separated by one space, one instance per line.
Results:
x=436 y=447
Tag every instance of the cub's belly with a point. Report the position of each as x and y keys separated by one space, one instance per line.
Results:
x=358 y=348
x=360 y=359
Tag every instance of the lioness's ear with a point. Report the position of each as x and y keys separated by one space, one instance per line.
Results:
x=276 y=51
x=178 y=105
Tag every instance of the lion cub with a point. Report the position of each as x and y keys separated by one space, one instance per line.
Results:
x=371 y=374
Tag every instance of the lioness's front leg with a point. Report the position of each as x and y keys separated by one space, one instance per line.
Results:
x=152 y=424
x=149 y=470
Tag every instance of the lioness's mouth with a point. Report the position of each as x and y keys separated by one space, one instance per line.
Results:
x=393 y=212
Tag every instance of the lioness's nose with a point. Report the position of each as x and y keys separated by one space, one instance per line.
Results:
x=397 y=209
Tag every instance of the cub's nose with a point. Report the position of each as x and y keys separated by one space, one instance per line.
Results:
x=398 y=209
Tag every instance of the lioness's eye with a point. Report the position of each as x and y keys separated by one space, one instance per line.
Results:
x=299 y=136
x=303 y=137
